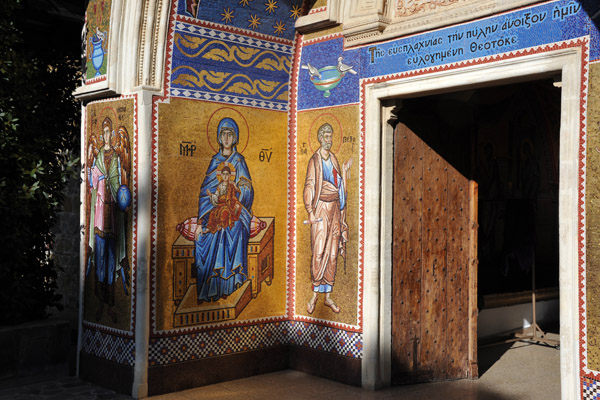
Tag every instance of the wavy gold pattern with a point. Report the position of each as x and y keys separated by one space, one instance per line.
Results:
x=191 y=42
x=226 y=82
x=244 y=56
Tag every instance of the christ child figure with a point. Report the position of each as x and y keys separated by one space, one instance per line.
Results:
x=227 y=206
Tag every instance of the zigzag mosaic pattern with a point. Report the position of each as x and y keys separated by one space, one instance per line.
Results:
x=109 y=347
x=170 y=350
x=214 y=65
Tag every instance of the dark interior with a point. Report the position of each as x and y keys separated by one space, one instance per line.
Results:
x=506 y=138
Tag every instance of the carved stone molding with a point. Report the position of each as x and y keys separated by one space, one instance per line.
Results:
x=153 y=36
x=321 y=17
x=367 y=21
x=136 y=49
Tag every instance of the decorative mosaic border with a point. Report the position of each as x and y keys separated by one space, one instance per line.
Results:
x=95 y=80
x=332 y=340
x=292 y=176
x=590 y=389
x=227 y=98
x=110 y=347
x=199 y=28
x=224 y=32
x=227 y=28
x=317 y=10
x=134 y=205
x=175 y=349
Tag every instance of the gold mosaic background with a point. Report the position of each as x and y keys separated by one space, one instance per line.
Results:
x=593 y=220
x=180 y=178
x=345 y=289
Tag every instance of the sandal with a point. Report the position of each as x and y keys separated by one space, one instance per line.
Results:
x=329 y=303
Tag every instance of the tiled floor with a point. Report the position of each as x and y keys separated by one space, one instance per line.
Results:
x=520 y=371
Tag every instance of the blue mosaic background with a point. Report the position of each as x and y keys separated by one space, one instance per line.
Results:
x=209 y=64
x=270 y=17
x=534 y=26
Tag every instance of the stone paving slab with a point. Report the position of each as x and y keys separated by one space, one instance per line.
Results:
x=67 y=388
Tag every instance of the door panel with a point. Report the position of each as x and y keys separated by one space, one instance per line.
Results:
x=434 y=264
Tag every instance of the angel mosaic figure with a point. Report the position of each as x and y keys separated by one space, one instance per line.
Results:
x=109 y=197
x=224 y=215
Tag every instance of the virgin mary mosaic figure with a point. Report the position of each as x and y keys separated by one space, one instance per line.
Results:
x=224 y=215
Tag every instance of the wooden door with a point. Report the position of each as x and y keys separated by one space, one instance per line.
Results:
x=434 y=292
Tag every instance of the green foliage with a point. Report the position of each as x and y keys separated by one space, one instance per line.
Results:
x=39 y=132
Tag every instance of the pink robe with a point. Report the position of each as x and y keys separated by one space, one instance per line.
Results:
x=329 y=236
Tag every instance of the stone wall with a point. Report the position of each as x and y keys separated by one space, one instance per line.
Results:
x=66 y=253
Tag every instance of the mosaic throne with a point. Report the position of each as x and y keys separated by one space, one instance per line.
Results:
x=260 y=268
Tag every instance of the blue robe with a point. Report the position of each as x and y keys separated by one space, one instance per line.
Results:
x=221 y=258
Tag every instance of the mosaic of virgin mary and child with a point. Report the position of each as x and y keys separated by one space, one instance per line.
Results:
x=224 y=216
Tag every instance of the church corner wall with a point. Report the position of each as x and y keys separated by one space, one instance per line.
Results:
x=252 y=205
x=532 y=30
x=226 y=65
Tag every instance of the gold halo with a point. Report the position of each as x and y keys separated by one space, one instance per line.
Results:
x=316 y=124
x=213 y=124
x=107 y=111
x=220 y=168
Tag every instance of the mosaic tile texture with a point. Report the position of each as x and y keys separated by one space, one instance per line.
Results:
x=215 y=65
x=110 y=347
x=547 y=23
x=169 y=350
x=269 y=17
x=590 y=389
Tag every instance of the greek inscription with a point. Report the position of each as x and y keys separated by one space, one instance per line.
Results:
x=563 y=12
x=455 y=36
x=187 y=149
x=493 y=44
x=482 y=33
x=494 y=36
x=349 y=139
x=265 y=155
x=411 y=48
x=375 y=53
x=432 y=58
x=303 y=149
x=526 y=21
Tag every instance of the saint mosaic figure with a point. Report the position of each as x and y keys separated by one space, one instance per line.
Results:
x=109 y=197
x=224 y=215
x=325 y=200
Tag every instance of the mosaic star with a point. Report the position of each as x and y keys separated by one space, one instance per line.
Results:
x=279 y=27
x=227 y=15
x=254 y=22
x=295 y=11
x=244 y=3
x=271 y=6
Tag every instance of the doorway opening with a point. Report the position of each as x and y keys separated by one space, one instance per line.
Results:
x=506 y=139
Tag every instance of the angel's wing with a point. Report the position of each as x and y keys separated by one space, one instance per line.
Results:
x=123 y=149
x=93 y=147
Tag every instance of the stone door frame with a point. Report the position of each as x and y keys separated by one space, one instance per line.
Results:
x=378 y=174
